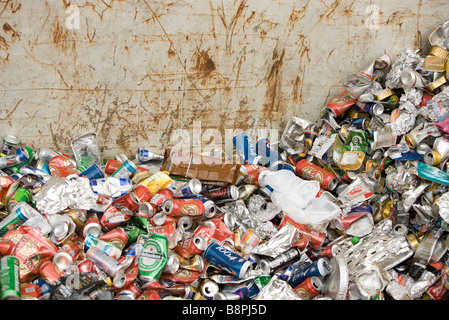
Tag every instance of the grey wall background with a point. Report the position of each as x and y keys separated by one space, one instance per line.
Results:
x=135 y=71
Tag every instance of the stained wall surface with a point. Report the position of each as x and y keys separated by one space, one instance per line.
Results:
x=140 y=72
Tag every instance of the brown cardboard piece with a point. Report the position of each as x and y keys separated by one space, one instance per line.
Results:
x=208 y=170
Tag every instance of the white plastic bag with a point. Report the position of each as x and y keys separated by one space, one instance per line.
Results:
x=297 y=197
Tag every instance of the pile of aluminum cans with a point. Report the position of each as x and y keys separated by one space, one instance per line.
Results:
x=354 y=206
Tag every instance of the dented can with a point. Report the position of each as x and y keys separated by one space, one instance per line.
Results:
x=309 y=171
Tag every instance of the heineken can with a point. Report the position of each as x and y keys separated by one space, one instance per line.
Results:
x=10 y=278
x=153 y=258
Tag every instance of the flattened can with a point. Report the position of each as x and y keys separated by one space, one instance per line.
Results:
x=10 y=278
x=227 y=260
x=309 y=171
x=125 y=170
x=319 y=268
x=153 y=258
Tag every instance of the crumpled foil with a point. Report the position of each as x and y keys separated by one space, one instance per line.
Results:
x=406 y=120
x=411 y=288
x=438 y=107
x=402 y=179
x=62 y=193
x=277 y=289
x=443 y=206
x=413 y=95
x=407 y=59
x=279 y=243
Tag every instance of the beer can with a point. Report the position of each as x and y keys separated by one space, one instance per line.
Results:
x=153 y=257
x=318 y=268
x=125 y=170
x=309 y=288
x=341 y=103
x=227 y=260
x=433 y=158
x=269 y=156
x=373 y=108
x=227 y=296
x=310 y=171
x=245 y=149
x=180 y=206
x=221 y=193
x=50 y=272
x=10 y=278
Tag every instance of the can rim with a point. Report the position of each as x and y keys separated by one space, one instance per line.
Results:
x=195 y=185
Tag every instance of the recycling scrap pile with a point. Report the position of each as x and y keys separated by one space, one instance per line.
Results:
x=354 y=206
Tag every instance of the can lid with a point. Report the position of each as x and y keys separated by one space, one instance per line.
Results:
x=92 y=229
x=159 y=218
x=60 y=230
x=209 y=289
x=234 y=191
x=172 y=262
x=210 y=209
x=63 y=260
x=378 y=109
x=264 y=265
x=200 y=242
x=244 y=269
x=12 y=140
x=195 y=185
x=167 y=206
x=332 y=184
x=147 y=209
x=185 y=222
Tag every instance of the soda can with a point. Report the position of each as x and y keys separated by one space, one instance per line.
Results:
x=269 y=157
x=10 y=278
x=105 y=262
x=153 y=257
x=245 y=149
x=78 y=216
x=93 y=172
x=310 y=171
x=21 y=194
x=309 y=288
x=227 y=260
x=318 y=268
x=125 y=170
x=21 y=212
x=254 y=174
x=9 y=143
x=144 y=155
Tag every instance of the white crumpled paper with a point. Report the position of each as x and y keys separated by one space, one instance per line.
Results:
x=297 y=197
x=59 y=194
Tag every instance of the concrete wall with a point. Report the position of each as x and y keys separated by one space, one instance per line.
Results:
x=136 y=71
